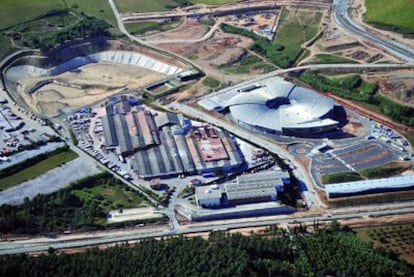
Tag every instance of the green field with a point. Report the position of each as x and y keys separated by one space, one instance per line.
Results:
x=13 y=12
x=211 y=82
x=295 y=28
x=160 y=5
x=112 y=197
x=377 y=172
x=213 y=2
x=341 y=177
x=97 y=8
x=16 y=11
x=398 y=239
x=396 y=15
x=6 y=47
x=248 y=64
x=329 y=59
x=140 y=28
x=145 y=5
x=36 y=170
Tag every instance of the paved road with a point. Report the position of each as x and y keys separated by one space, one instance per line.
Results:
x=341 y=16
x=199 y=11
x=59 y=244
x=122 y=28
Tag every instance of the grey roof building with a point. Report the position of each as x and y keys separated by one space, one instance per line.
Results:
x=276 y=106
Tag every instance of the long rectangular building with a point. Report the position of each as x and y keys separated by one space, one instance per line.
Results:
x=252 y=188
x=369 y=186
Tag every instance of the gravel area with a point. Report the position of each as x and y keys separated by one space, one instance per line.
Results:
x=49 y=182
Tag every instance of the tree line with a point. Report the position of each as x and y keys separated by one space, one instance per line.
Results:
x=330 y=251
x=354 y=88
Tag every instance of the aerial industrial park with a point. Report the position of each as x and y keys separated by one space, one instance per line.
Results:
x=205 y=117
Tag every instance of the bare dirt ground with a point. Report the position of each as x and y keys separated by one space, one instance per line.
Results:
x=221 y=49
x=190 y=29
x=94 y=83
x=397 y=85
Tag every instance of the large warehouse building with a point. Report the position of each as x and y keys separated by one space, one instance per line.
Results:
x=276 y=106
x=163 y=145
x=245 y=189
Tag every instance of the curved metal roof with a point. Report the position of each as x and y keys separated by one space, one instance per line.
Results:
x=278 y=104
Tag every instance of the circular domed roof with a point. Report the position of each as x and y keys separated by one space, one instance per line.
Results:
x=279 y=105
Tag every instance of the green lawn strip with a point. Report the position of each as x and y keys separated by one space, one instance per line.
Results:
x=380 y=172
x=396 y=15
x=37 y=169
x=329 y=59
x=13 y=12
x=140 y=28
x=377 y=172
x=341 y=177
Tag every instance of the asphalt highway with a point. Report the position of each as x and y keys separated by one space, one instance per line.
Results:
x=57 y=244
x=398 y=49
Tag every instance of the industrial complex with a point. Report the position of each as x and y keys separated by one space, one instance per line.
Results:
x=164 y=144
x=276 y=106
x=206 y=112
x=245 y=189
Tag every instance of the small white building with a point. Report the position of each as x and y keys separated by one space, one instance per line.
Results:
x=208 y=197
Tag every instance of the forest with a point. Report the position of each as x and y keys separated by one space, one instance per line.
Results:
x=327 y=252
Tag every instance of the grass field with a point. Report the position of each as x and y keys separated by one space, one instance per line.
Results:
x=387 y=170
x=145 y=5
x=97 y=8
x=213 y=2
x=329 y=59
x=211 y=82
x=111 y=197
x=13 y=12
x=6 y=47
x=396 y=238
x=16 y=11
x=247 y=64
x=295 y=28
x=140 y=28
x=397 y=15
x=37 y=169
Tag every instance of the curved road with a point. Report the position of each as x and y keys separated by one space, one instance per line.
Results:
x=341 y=16
x=122 y=28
